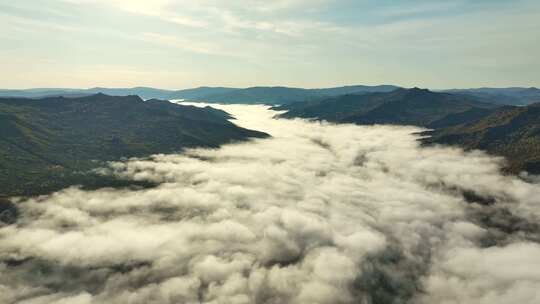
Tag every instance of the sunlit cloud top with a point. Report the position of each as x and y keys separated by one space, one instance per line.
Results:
x=179 y=43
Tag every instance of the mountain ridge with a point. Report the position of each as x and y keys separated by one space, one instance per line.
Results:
x=512 y=132
x=46 y=143
x=275 y=95
x=420 y=107
x=458 y=120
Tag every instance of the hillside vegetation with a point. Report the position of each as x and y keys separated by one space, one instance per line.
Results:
x=48 y=144
x=415 y=106
x=509 y=131
x=512 y=132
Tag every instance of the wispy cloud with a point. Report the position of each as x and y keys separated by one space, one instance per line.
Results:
x=181 y=43
x=157 y=8
x=329 y=42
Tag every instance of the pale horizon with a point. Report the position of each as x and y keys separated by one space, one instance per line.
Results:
x=259 y=85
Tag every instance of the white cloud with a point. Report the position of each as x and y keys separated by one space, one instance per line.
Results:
x=155 y=8
x=491 y=275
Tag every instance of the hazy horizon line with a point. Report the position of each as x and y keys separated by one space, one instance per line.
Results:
x=263 y=85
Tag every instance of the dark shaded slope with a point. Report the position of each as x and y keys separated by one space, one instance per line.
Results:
x=50 y=143
x=468 y=116
x=512 y=132
x=403 y=106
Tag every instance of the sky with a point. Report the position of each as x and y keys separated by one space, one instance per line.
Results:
x=179 y=44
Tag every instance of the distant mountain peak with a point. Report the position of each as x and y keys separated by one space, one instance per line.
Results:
x=414 y=106
x=413 y=92
x=419 y=90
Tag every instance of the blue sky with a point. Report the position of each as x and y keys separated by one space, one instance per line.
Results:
x=307 y=43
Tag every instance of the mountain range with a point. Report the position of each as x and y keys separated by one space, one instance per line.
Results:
x=419 y=107
x=509 y=131
x=253 y=95
x=285 y=95
x=276 y=95
x=50 y=143
x=455 y=119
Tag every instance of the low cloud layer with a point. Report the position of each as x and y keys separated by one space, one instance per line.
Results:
x=317 y=214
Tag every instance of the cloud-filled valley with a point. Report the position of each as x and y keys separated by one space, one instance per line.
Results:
x=319 y=213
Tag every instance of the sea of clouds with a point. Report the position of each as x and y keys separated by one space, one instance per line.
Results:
x=319 y=213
